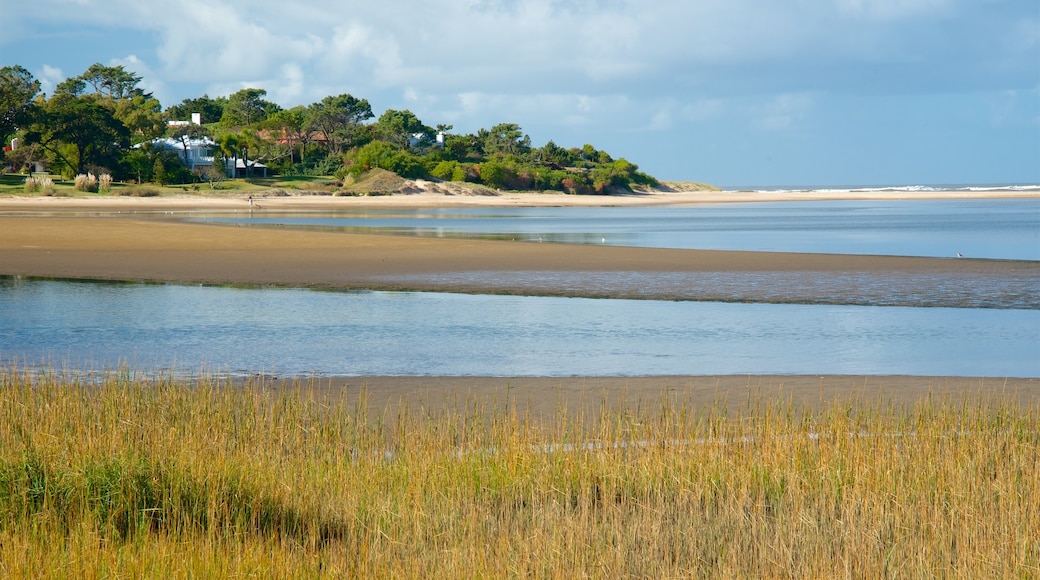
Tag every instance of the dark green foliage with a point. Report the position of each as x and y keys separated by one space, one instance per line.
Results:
x=95 y=135
x=18 y=88
x=211 y=110
x=338 y=119
x=128 y=496
x=404 y=130
x=449 y=171
x=247 y=107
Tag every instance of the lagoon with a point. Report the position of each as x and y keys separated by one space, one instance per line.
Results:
x=292 y=332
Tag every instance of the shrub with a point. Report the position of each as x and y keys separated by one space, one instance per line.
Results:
x=88 y=183
x=44 y=185
x=445 y=169
x=105 y=182
x=140 y=192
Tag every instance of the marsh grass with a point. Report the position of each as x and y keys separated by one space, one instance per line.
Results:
x=154 y=477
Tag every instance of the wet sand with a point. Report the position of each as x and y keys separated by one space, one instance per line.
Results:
x=142 y=243
x=168 y=250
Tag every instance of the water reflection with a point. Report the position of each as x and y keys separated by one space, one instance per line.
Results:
x=294 y=332
x=977 y=228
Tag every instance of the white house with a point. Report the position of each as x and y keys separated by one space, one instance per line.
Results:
x=197 y=154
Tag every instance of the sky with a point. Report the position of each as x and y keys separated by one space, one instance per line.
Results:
x=728 y=92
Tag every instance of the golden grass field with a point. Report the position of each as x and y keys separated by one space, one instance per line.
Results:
x=123 y=476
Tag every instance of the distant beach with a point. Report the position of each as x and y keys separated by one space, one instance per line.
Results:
x=426 y=194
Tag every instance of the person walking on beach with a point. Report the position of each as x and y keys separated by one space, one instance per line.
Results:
x=250 y=203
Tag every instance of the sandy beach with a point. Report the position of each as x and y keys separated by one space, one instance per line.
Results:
x=144 y=239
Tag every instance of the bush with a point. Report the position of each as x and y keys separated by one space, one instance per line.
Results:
x=445 y=169
x=44 y=185
x=105 y=182
x=87 y=183
x=140 y=192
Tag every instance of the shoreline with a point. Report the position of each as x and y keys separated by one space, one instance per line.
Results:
x=266 y=200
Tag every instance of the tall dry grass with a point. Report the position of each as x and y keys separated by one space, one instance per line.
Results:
x=86 y=182
x=43 y=185
x=157 y=477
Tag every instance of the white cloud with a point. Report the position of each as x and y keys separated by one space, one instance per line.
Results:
x=49 y=77
x=613 y=67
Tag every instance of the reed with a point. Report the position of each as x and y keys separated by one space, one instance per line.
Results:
x=44 y=185
x=150 y=476
x=104 y=182
x=86 y=182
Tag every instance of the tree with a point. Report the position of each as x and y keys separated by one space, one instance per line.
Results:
x=247 y=107
x=89 y=128
x=18 y=89
x=553 y=154
x=114 y=82
x=229 y=149
x=142 y=116
x=337 y=120
x=402 y=127
x=211 y=110
x=505 y=139
x=290 y=125
x=464 y=147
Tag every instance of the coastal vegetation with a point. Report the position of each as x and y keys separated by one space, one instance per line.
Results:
x=103 y=123
x=119 y=474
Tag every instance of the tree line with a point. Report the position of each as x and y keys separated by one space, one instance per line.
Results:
x=103 y=122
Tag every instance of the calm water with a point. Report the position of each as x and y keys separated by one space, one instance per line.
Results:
x=293 y=332
x=996 y=229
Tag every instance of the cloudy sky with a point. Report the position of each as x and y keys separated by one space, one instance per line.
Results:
x=730 y=92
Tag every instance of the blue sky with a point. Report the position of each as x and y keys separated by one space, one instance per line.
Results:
x=730 y=92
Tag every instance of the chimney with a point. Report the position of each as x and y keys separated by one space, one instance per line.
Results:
x=196 y=118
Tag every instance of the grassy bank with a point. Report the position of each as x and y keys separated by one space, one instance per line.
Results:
x=203 y=478
x=14 y=185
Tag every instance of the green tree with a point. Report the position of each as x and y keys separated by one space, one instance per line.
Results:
x=401 y=128
x=247 y=107
x=289 y=126
x=496 y=174
x=337 y=119
x=18 y=89
x=142 y=116
x=114 y=82
x=553 y=154
x=88 y=127
x=211 y=110
x=228 y=148
x=158 y=171
x=372 y=155
x=139 y=162
x=463 y=147
x=505 y=139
